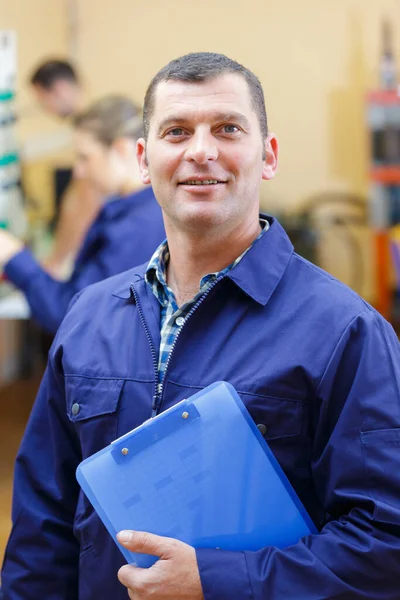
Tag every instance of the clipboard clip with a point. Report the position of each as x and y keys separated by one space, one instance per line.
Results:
x=154 y=429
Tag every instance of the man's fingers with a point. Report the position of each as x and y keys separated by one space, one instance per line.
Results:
x=177 y=568
x=133 y=578
x=146 y=543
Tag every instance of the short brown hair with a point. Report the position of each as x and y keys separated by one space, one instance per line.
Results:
x=202 y=66
x=110 y=118
x=50 y=71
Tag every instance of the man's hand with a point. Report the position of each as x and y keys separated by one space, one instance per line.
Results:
x=175 y=576
x=9 y=247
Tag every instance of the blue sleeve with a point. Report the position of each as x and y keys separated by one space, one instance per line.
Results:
x=355 y=467
x=41 y=559
x=48 y=298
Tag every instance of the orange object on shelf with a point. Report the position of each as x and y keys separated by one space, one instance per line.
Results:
x=383 y=97
x=383 y=302
x=386 y=175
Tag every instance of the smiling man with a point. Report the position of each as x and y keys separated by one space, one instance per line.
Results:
x=206 y=152
x=225 y=297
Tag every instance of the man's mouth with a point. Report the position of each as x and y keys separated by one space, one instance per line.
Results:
x=200 y=182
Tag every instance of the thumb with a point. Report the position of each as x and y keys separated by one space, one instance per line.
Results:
x=146 y=543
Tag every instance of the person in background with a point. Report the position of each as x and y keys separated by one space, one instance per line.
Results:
x=125 y=232
x=225 y=297
x=58 y=89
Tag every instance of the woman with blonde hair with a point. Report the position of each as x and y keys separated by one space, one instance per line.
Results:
x=125 y=233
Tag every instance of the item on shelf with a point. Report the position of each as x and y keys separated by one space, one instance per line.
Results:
x=383 y=111
x=379 y=206
x=387 y=67
x=383 y=120
x=8 y=60
x=12 y=214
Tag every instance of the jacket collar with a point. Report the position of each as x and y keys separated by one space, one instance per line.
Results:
x=257 y=274
x=262 y=268
x=124 y=290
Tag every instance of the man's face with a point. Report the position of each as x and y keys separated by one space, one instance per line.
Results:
x=59 y=100
x=205 y=156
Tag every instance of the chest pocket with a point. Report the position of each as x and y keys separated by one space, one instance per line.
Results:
x=275 y=417
x=284 y=424
x=92 y=405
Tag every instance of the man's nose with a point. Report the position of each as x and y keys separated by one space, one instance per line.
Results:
x=202 y=147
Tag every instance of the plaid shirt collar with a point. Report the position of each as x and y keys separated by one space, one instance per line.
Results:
x=156 y=272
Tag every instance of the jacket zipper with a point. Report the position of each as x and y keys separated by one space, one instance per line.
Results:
x=152 y=349
x=159 y=386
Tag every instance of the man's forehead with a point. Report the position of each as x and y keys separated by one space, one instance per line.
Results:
x=228 y=88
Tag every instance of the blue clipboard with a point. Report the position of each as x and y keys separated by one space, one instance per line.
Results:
x=200 y=472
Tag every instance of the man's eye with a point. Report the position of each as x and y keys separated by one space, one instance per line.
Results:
x=230 y=128
x=176 y=132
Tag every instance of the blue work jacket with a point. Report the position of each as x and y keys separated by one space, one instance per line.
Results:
x=125 y=233
x=311 y=360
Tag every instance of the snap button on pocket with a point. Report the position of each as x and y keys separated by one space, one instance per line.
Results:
x=75 y=409
x=262 y=428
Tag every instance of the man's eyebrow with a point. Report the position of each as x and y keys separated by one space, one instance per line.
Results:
x=222 y=117
x=171 y=121
x=234 y=117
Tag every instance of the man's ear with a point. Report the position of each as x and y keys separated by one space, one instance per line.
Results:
x=142 y=160
x=271 y=156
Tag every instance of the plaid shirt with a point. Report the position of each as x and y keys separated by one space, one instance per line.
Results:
x=173 y=316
